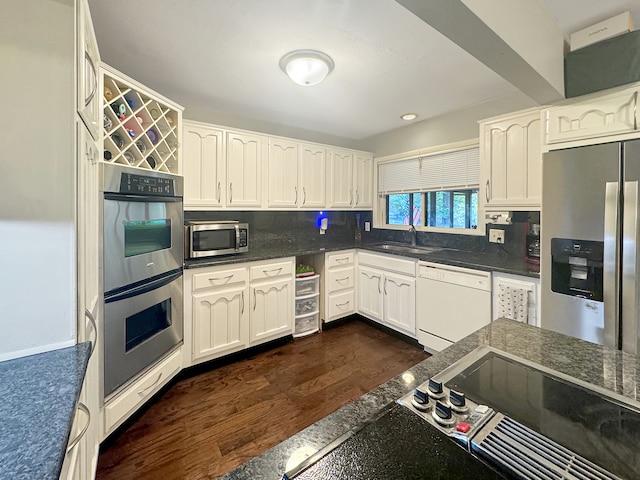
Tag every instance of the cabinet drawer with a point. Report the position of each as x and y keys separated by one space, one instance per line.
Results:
x=391 y=263
x=219 y=278
x=340 y=305
x=120 y=407
x=341 y=259
x=341 y=279
x=307 y=285
x=270 y=270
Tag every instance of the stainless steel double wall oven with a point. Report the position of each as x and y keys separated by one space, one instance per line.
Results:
x=143 y=256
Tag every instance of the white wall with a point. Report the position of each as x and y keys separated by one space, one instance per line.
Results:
x=37 y=158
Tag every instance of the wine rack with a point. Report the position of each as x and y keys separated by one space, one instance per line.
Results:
x=141 y=128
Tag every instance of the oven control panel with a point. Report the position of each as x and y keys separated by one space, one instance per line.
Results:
x=448 y=410
x=146 y=185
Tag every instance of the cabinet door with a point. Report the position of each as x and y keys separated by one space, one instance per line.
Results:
x=400 y=303
x=597 y=116
x=363 y=177
x=271 y=310
x=511 y=163
x=283 y=188
x=89 y=98
x=313 y=176
x=244 y=170
x=203 y=166
x=340 y=179
x=89 y=295
x=370 y=293
x=220 y=322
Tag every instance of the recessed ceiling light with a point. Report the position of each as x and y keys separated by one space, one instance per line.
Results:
x=306 y=67
x=409 y=116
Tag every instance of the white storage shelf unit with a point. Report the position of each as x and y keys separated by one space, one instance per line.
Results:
x=307 y=305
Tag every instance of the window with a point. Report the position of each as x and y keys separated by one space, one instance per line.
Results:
x=438 y=191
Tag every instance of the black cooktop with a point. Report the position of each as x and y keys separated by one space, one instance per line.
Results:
x=598 y=428
x=397 y=445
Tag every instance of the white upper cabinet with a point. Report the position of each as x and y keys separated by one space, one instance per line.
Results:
x=244 y=170
x=350 y=179
x=511 y=162
x=283 y=173
x=203 y=166
x=593 y=116
x=340 y=178
x=313 y=176
x=363 y=180
x=89 y=93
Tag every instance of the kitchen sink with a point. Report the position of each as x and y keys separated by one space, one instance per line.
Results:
x=398 y=248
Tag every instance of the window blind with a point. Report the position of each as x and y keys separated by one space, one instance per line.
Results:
x=440 y=171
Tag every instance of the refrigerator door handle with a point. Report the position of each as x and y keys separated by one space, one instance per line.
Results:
x=611 y=257
x=630 y=269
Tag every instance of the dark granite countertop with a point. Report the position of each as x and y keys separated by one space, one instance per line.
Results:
x=448 y=256
x=595 y=364
x=39 y=396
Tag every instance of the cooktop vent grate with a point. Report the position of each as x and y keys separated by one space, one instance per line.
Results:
x=531 y=455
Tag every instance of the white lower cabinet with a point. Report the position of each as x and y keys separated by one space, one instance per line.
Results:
x=387 y=291
x=339 y=285
x=118 y=408
x=235 y=307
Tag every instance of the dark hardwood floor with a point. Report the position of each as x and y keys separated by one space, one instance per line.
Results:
x=207 y=424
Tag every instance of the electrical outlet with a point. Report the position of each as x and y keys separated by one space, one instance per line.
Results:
x=367 y=226
x=496 y=235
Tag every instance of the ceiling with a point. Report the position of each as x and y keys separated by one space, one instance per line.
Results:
x=222 y=55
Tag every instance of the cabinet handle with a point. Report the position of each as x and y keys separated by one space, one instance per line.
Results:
x=379 y=279
x=350 y=197
x=343 y=259
x=295 y=188
x=266 y=272
x=342 y=279
x=385 y=285
x=357 y=197
x=95 y=79
x=242 y=300
x=230 y=192
x=486 y=191
x=92 y=320
x=144 y=391
x=304 y=195
x=72 y=444
x=215 y=279
x=635 y=106
x=219 y=191
x=255 y=299
x=343 y=304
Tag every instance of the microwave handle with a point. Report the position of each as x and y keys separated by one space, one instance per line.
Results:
x=237 y=238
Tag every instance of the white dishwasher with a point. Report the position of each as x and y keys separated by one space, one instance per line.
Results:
x=451 y=303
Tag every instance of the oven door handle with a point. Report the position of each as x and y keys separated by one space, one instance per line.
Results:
x=147 y=287
x=120 y=197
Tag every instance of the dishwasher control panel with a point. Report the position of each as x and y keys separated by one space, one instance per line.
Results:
x=457 y=275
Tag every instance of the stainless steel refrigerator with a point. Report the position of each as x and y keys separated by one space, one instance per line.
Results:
x=589 y=252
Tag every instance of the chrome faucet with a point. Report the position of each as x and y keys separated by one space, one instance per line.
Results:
x=414 y=235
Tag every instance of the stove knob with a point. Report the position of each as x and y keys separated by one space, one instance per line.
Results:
x=458 y=401
x=435 y=389
x=443 y=414
x=421 y=400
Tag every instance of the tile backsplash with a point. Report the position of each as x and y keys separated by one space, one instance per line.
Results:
x=270 y=228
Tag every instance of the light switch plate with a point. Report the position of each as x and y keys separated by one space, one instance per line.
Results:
x=367 y=226
x=496 y=235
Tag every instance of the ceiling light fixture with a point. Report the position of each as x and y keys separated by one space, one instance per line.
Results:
x=306 y=67
x=409 y=116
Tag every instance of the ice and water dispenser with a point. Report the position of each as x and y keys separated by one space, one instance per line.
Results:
x=577 y=267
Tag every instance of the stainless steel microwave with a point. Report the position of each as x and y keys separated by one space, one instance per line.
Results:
x=213 y=238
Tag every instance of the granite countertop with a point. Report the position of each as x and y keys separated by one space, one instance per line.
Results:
x=39 y=396
x=595 y=364
x=447 y=256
